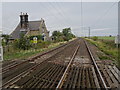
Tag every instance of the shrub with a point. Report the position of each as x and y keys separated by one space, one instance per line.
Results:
x=95 y=38
x=22 y=43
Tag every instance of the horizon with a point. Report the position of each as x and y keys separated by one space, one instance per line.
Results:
x=102 y=17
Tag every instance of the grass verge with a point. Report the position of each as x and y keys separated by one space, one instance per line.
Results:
x=24 y=54
x=106 y=37
x=107 y=47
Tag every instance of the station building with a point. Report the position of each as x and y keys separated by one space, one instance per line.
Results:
x=30 y=28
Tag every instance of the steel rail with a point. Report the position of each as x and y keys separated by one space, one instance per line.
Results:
x=66 y=70
x=96 y=66
x=34 y=58
x=13 y=80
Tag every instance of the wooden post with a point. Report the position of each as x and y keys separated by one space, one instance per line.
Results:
x=89 y=31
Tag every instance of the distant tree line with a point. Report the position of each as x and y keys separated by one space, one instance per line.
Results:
x=65 y=35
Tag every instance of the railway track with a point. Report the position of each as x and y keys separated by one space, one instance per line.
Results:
x=10 y=81
x=89 y=76
x=72 y=67
x=14 y=64
x=67 y=71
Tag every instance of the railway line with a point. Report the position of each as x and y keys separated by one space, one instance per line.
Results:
x=15 y=63
x=73 y=66
x=10 y=74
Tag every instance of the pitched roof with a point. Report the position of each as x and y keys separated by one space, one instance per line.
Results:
x=32 y=25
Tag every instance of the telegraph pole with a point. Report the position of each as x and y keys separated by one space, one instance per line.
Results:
x=1 y=48
x=89 y=32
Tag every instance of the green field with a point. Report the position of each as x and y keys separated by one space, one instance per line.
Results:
x=106 y=37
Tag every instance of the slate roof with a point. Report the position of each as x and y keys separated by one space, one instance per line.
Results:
x=32 y=25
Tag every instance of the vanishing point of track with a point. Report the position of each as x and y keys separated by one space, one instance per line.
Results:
x=72 y=65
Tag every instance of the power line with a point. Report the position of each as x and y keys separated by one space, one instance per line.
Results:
x=102 y=16
x=60 y=13
x=81 y=14
x=59 y=5
x=48 y=7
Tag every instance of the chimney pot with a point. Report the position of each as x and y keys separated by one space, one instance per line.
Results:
x=21 y=13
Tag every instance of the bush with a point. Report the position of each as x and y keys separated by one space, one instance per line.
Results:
x=95 y=38
x=43 y=44
x=22 y=43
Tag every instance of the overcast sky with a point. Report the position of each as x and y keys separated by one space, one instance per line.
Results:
x=101 y=17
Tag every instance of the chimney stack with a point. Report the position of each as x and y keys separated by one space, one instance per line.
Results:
x=24 y=20
x=26 y=17
x=21 y=19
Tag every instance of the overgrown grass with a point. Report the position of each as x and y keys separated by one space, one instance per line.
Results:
x=108 y=47
x=106 y=37
x=104 y=57
x=23 y=54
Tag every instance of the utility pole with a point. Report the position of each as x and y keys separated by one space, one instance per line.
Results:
x=1 y=48
x=89 y=32
x=81 y=17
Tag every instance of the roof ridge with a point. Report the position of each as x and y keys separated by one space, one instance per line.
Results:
x=35 y=21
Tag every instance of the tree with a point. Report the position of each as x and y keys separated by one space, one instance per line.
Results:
x=57 y=36
x=22 y=43
x=66 y=31
x=67 y=34
x=110 y=35
x=6 y=38
x=56 y=33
